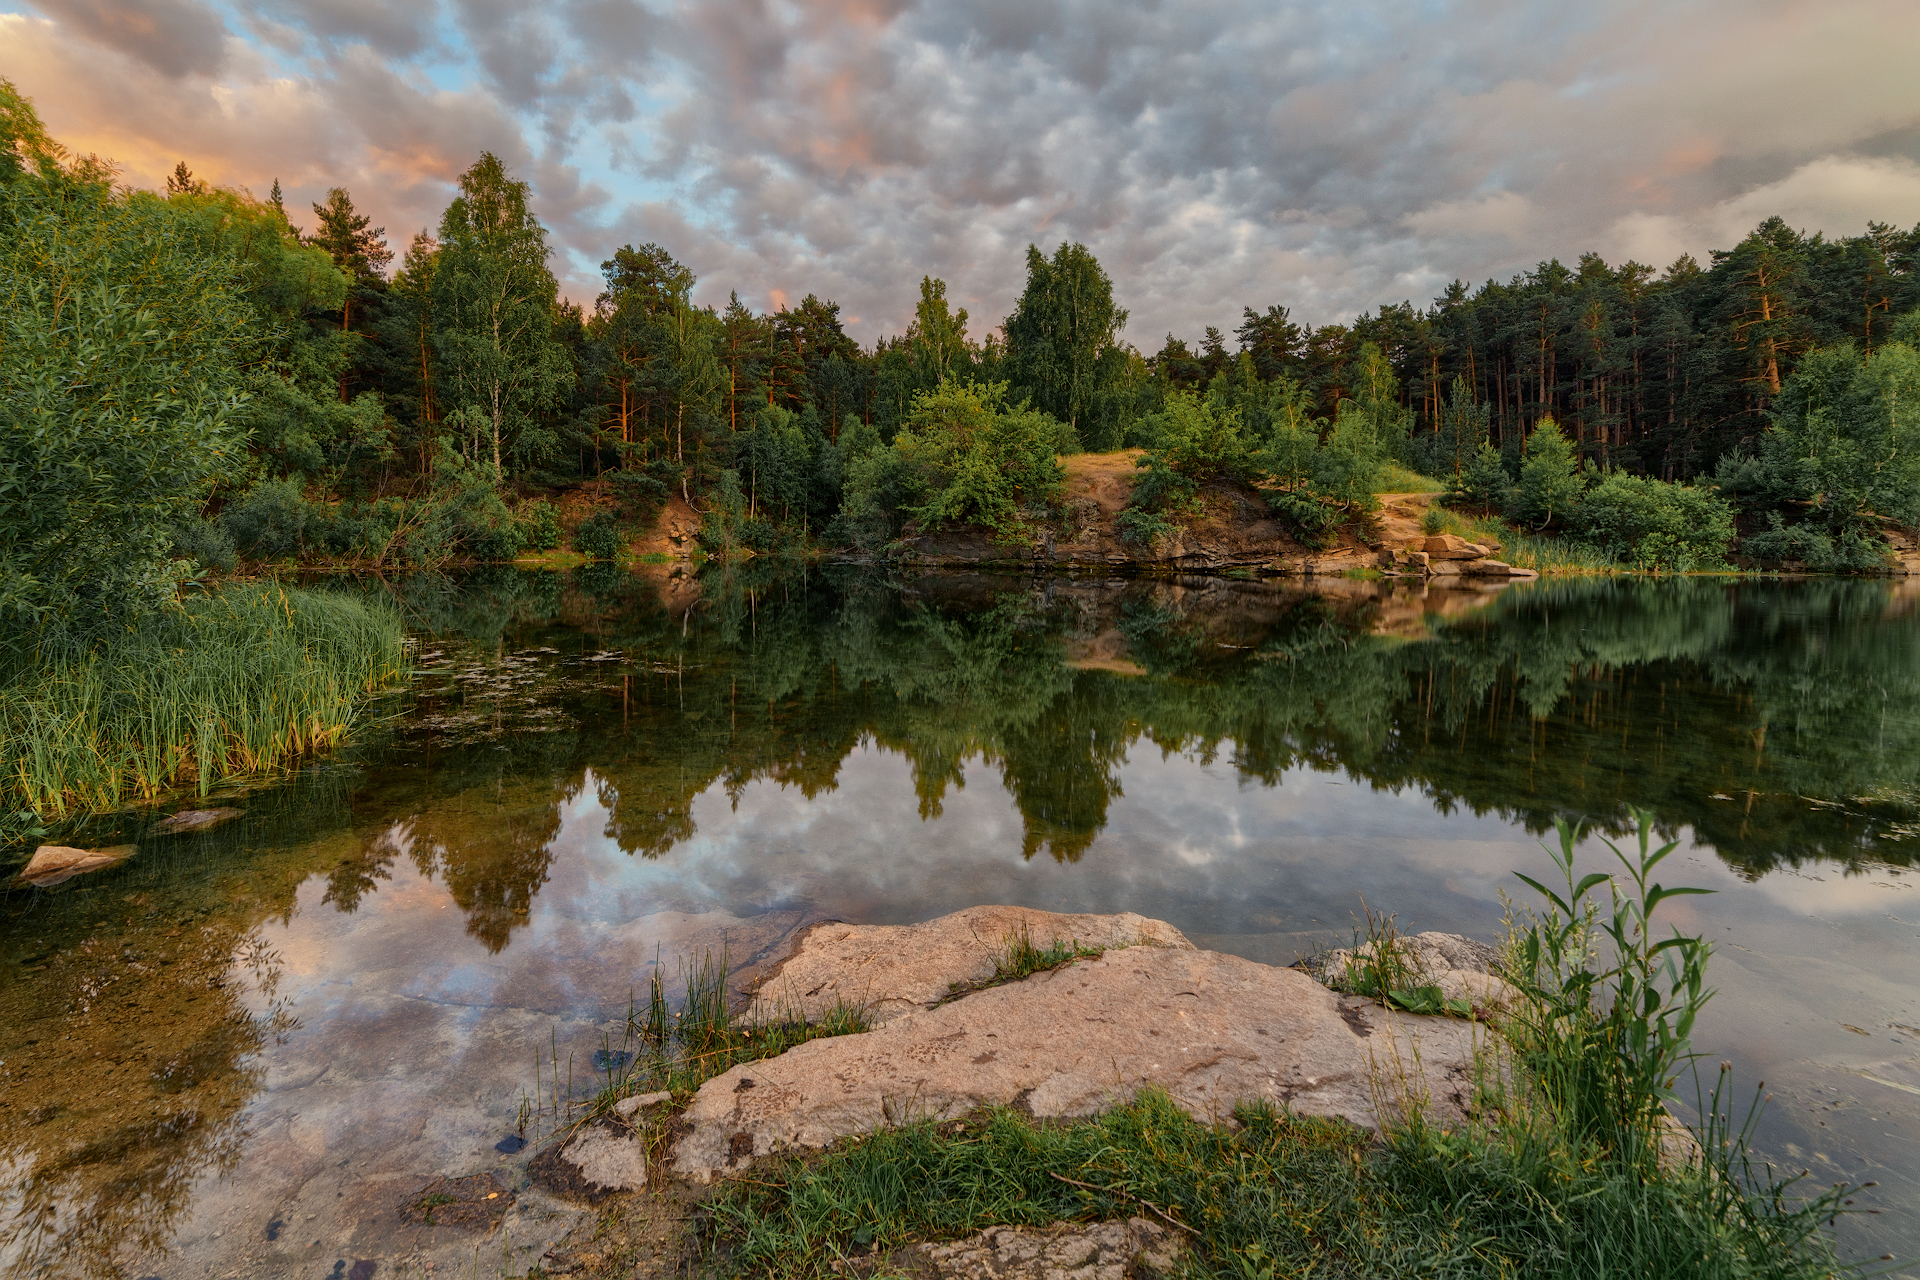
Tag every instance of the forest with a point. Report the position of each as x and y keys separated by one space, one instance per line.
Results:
x=266 y=384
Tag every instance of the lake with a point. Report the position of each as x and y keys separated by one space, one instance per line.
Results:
x=242 y=1052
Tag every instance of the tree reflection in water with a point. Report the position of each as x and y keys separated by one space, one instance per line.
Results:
x=1781 y=722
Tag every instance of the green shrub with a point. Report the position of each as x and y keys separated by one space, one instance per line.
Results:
x=1853 y=551
x=1483 y=483
x=206 y=544
x=539 y=525
x=1550 y=482
x=1654 y=524
x=1311 y=515
x=599 y=537
x=269 y=520
x=123 y=342
x=1143 y=527
x=1197 y=442
x=972 y=459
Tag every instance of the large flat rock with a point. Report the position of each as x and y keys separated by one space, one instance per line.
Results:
x=889 y=970
x=1210 y=1029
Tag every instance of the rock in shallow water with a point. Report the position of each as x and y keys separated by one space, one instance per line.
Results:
x=192 y=820
x=52 y=863
x=1209 y=1029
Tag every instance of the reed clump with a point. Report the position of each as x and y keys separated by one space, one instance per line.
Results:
x=675 y=1051
x=245 y=680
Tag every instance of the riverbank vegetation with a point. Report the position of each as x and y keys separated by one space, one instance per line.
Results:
x=352 y=402
x=1567 y=1168
x=143 y=364
x=248 y=680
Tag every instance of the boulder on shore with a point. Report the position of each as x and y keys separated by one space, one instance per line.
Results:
x=1211 y=1030
x=1462 y=968
x=889 y=970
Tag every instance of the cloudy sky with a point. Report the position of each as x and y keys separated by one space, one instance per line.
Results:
x=1215 y=154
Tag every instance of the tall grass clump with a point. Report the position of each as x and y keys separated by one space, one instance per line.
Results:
x=674 y=1050
x=247 y=679
x=1543 y=553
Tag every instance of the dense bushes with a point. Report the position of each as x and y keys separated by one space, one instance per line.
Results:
x=963 y=456
x=599 y=537
x=1842 y=456
x=538 y=525
x=122 y=346
x=1315 y=483
x=1629 y=519
x=1652 y=524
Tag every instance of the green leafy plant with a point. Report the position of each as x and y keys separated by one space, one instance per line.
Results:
x=599 y=537
x=1381 y=967
x=1606 y=1037
x=539 y=525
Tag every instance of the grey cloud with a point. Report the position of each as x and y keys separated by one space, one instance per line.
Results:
x=397 y=28
x=174 y=37
x=1214 y=154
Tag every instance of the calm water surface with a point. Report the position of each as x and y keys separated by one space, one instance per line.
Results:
x=243 y=1052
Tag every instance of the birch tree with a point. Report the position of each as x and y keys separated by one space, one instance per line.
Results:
x=494 y=300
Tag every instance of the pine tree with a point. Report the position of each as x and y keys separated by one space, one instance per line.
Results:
x=181 y=182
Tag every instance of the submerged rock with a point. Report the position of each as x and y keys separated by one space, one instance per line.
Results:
x=192 y=820
x=1135 y=1249
x=889 y=970
x=1210 y=1029
x=598 y=1160
x=52 y=864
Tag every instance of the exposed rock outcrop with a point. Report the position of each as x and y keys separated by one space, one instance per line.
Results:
x=889 y=970
x=1210 y=1029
